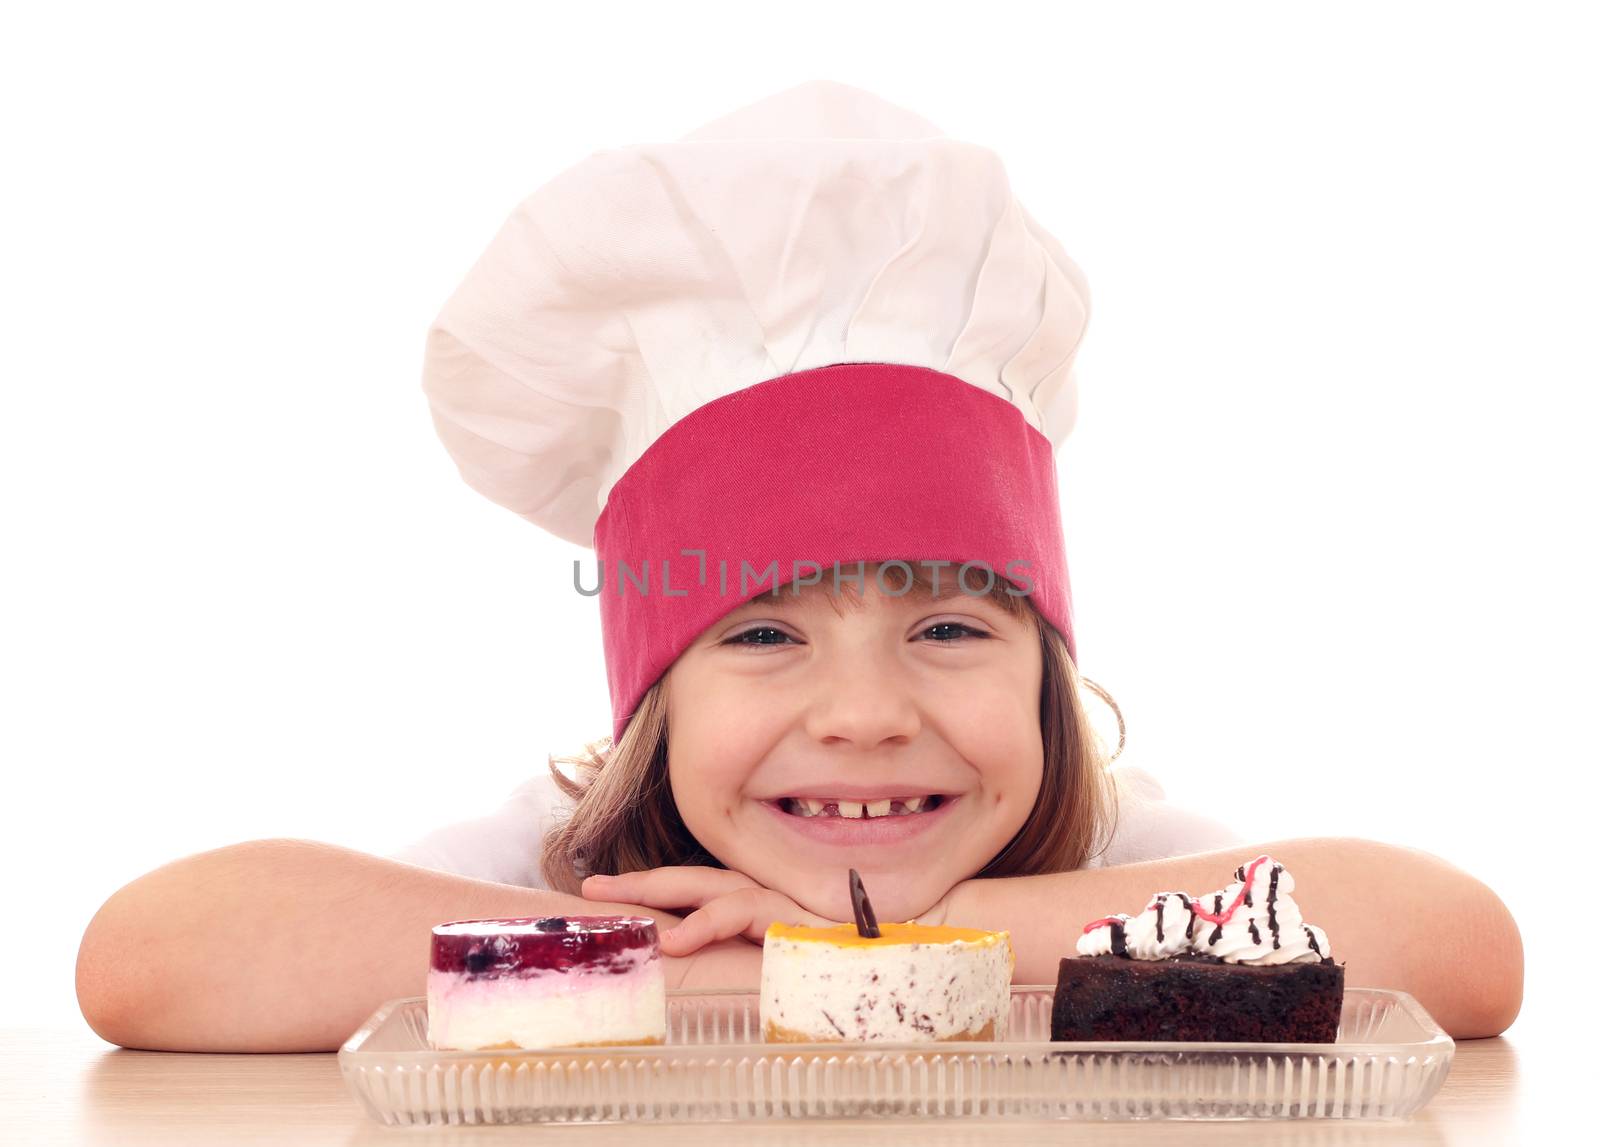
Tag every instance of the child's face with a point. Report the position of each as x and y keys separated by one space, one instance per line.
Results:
x=857 y=698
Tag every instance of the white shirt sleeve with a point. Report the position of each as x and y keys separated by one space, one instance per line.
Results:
x=503 y=847
x=1148 y=827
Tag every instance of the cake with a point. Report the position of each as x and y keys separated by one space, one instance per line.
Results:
x=903 y=982
x=546 y=982
x=1238 y=965
x=913 y=983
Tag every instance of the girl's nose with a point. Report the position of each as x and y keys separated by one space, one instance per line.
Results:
x=864 y=700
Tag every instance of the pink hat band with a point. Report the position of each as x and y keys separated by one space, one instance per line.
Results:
x=779 y=481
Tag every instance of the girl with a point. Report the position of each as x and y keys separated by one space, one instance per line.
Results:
x=799 y=378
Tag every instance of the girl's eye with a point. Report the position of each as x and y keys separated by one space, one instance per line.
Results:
x=948 y=626
x=739 y=638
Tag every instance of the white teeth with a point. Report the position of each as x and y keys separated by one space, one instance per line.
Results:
x=857 y=810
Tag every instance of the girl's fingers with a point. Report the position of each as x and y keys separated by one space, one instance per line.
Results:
x=721 y=919
x=746 y=912
x=682 y=886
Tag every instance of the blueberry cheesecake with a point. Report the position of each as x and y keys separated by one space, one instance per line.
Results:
x=543 y=982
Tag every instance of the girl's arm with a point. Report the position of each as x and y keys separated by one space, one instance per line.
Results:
x=1396 y=917
x=288 y=945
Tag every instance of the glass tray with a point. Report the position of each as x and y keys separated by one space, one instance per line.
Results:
x=1389 y=1059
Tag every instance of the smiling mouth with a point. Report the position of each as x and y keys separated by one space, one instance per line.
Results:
x=858 y=810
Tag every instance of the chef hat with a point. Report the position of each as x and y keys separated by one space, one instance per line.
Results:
x=815 y=330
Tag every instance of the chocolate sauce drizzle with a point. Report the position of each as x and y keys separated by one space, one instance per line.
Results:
x=1119 y=938
x=1272 y=905
x=1216 y=910
x=1311 y=938
x=1161 y=908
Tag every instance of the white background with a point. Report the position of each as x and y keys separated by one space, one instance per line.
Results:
x=1329 y=503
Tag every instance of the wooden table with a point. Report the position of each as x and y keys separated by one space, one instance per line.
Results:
x=64 y=1085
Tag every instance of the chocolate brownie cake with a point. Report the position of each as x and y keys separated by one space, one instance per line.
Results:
x=1236 y=965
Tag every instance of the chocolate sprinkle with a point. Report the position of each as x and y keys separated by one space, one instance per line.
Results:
x=866 y=921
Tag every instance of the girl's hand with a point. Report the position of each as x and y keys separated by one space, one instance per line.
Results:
x=726 y=904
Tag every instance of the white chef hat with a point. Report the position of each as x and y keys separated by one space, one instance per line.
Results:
x=815 y=329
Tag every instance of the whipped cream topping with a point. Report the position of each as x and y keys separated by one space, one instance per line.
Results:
x=1254 y=920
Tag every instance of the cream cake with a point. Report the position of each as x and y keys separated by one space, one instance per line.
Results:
x=550 y=981
x=911 y=983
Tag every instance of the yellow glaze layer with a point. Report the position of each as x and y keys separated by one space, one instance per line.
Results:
x=846 y=936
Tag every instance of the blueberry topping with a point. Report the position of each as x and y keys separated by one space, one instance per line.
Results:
x=550 y=943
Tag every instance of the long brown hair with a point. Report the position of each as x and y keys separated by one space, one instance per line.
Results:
x=624 y=818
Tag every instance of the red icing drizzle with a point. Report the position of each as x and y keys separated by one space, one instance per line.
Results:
x=1199 y=912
